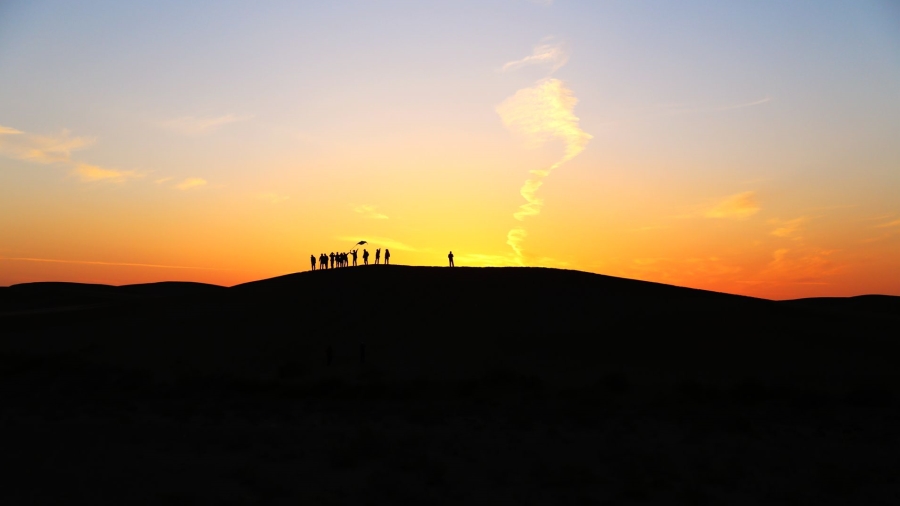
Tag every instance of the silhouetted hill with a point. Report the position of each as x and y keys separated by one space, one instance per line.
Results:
x=415 y=385
x=862 y=304
x=57 y=296
x=450 y=324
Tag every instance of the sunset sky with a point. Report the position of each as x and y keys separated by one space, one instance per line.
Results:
x=745 y=147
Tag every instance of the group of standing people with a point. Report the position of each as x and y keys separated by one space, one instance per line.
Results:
x=344 y=259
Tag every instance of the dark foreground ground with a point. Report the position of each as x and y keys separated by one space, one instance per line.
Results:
x=485 y=386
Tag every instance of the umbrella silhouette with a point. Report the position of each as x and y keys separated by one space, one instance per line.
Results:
x=360 y=243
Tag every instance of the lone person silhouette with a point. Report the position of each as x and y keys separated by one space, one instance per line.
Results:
x=387 y=256
x=450 y=256
x=312 y=261
x=365 y=257
x=377 y=255
x=332 y=259
x=354 y=256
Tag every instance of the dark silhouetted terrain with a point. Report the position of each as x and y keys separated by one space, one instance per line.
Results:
x=465 y=385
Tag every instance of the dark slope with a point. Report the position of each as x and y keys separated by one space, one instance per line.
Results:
x=537 y=386
x=47 y=297
x=450 y=324
x=860 y=305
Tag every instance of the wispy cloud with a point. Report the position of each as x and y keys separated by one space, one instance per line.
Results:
x=44 y=149
x=93 y=173
x=370 y=212
x=801 y=266
x=739 y=206
x=196 y=125
x=89 y=262
x=788 y=228
x=541 y=113
x=191 y=182
x=57 y=150
x=272 y=198
x=548 y=52
x=164 y=179
x=514 y=238
x=761 y=101
x=890 y=224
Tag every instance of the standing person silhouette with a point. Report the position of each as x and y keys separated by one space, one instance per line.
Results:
x=450 y=256
x=354 y=256
x=387 y=256
x=332 y=259
x=323 y=262
x=377 y=255
x=365 y=257
x=312 y=261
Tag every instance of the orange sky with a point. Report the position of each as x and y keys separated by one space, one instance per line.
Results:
x=727 y=149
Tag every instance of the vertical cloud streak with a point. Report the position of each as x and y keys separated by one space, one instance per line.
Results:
x=549 y=52
x=541 y=113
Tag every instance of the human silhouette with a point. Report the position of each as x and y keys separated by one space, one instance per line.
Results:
x=353 y=253
x=323 y=261
x=365 y=257
x=312 y=262
x=332 y=259
x=450 y=256
x=377 y=255
x=387 y=256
